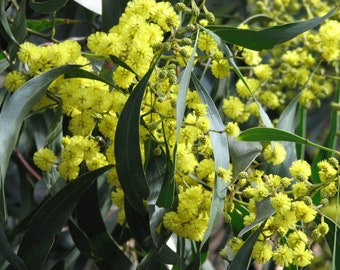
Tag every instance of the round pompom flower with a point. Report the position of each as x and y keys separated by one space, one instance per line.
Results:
x=44 y=158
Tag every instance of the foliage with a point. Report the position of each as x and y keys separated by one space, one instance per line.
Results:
x=129 y=147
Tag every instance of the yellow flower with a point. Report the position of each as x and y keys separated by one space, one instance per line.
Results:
x=220 y=68
x=300 y=169
x=232 y=129
x=262 y=252
x=303 y=211
x=300 y=189
x=297 y=239
x=243 y=91
x=235 y=244
x=14 y=80
x=283 y=255
x=206 y=43
x=302 y=257
x=234 y=108
x=263 y=72
x=281 y=202
x=276 y=155
x=44 y=158
x=326 y=170
x=68 y=171
x=250 y=57
x=270 y=99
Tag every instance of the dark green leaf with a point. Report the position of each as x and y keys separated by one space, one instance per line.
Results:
x=106 y=252
x=243 y=256
x=44 y=24
x=111 y=12
x=15 y=109
x=139 y=227
x=269 y=37
x=48 y=6
x=79 y=237
x=18 y=26
x=81 y=73
x=48 y=221
x=221 y=156
x=6 y=251
x=5 y=29
x=121 y=63
x=127 y=148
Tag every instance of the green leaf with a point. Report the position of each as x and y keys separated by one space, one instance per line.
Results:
x=44 y=24
x=18 y=26
x=221 y=156
x=243 y=256
x=333 y=238
x=6 y=251
x=81 y=73
x=121 y=63
x=111 y=12
x=48 y=221
x=264 y=210
x=264 y=117
x=129 y=163
x=15 y=109
x=103 y=246
x=263 y=134
x=242 y=154
x=5 y=29
x=269 y=37
x=48 y=6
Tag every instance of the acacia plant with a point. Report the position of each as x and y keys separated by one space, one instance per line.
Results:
x=126 y=147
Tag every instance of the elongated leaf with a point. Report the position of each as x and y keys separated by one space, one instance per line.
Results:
x=44 y=24
x=6 y=251
x=262 y=134
x=333 y=239
x=242 y=257
x=139 y=227
x=221 y=156
x=48 y=6
x=15 y=109
x=19 y=28
x=183 y=89
x=5 y=29
x=107 y=253
x=269 y=37
x=81 y=73
x=111 y=12
x=264 y=117
x=51 y=217
x=264 y=210
x=121 y=63
x=127 y=148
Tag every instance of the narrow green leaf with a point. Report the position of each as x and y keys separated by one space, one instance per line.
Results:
x=81 y=73
x=5 y=28
x=183 y=89
x=6 y=251
x=18 y=26
x=44 y=24
x=47 y=6
x=269 y=37
x=111 y=12
x=243 y=256
x=139 y=227
x=15 y=109
x=264 y=210
x=129 y=163
x=263 y=134
x=106 y=252
x=3 y=66
x=80 y=238
x=332 y=239
x=264 y=117
x=221 y=156
x=48 y=221
x=121 y=63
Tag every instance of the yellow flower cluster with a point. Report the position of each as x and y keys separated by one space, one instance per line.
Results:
x=286 y=237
